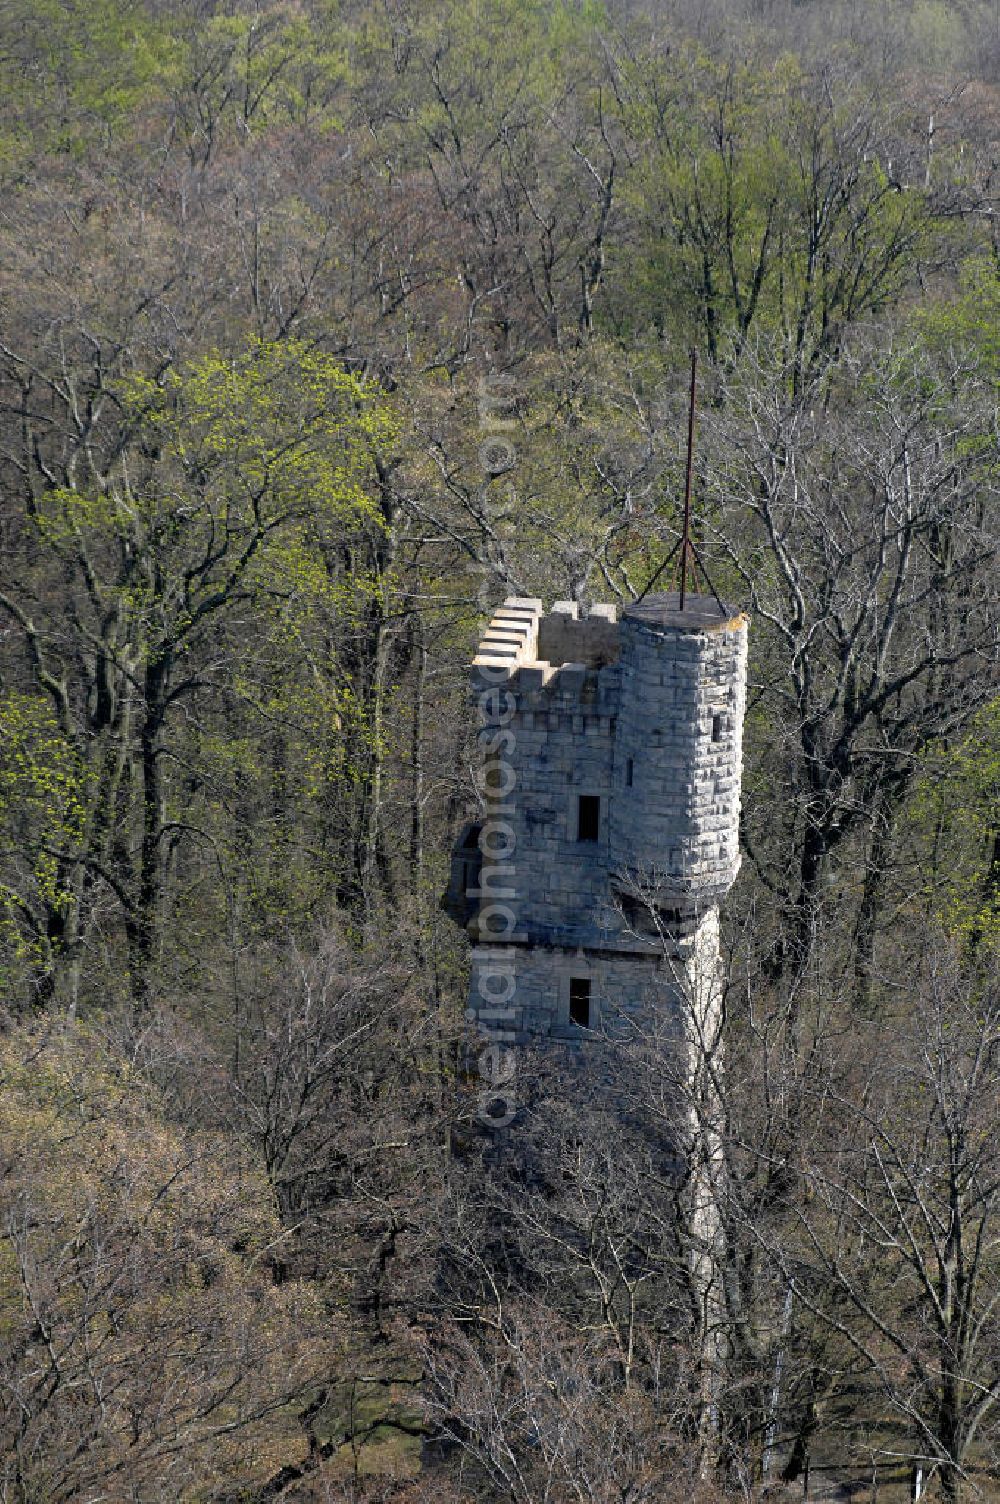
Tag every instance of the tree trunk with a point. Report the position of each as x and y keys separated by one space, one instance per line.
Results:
x=146 y=928
x=871 y=899
x=417 y=759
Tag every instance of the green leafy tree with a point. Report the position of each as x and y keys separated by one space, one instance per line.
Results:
x=166 y=554
x=954 y=823
x=43 y=804
x=763 y=200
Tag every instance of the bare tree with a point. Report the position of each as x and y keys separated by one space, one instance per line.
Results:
x=894 y=1246
x=860 y=518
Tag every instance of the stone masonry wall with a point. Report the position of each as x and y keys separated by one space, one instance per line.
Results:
x=623 y=987
x=564 y=638
x=523 y=991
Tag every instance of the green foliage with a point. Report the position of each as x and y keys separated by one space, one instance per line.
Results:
x=968 y=319
x=937 y=33
x=244 y=493
x=280 y=430
x=763 y=201
x=80 y=74
x=72 y=69
x=477 y=88
x=235 y=455
x=956 y=813
x=43 y=794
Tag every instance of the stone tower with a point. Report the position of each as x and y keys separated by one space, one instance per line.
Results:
x=612 y=759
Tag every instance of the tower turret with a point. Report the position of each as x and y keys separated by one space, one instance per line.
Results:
x=674 y=832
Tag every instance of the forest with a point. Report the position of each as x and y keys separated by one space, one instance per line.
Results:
x=326 y=326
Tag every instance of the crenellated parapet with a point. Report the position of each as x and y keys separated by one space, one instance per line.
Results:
x=523 y=639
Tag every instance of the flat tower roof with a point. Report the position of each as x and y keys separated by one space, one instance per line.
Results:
x=701 y=612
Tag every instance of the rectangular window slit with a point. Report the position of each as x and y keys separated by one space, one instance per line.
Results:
x=628 y=773
x=588 y=817
x=579 y=1002
x=716 y=728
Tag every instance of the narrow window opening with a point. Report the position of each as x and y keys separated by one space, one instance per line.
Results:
x=588 y=818
x=579 y=1002
x=716 y=728
x=628 y=772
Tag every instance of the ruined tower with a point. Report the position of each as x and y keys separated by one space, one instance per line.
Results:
x=612 y=759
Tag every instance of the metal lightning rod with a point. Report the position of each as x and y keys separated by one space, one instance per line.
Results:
x=686 y=535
